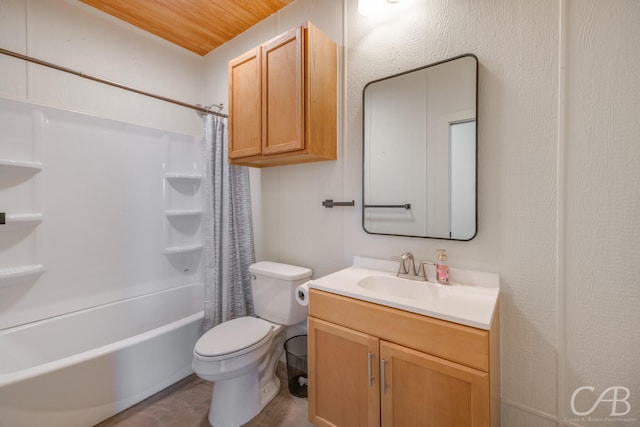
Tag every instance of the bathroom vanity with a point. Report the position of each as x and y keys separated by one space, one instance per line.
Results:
x=394 y=353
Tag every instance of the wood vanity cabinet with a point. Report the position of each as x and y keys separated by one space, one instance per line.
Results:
x=372 y=365
x=283 y=100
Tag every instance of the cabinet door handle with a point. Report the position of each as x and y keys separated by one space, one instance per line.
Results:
x=369 y=370
x=383 y=378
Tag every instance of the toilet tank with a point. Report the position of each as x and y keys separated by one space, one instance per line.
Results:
x=273 y=286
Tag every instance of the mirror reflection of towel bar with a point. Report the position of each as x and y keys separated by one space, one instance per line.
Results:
x=405 y=206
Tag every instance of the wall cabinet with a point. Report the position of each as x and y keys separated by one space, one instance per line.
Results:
x=283 y=100
x=371 y=365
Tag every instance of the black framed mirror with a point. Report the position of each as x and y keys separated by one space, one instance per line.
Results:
x=420 y=152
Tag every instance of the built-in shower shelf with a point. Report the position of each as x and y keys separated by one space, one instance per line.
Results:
x=182 y=249
x=25 y=217
x=21 y=271
x=183 y=176
x=20 y=165
x=183 y=212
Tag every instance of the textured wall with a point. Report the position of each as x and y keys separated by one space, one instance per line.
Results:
x=601 y=206
x=558 y=179
x=517 y=156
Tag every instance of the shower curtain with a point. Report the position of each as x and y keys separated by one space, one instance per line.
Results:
x=228 y=231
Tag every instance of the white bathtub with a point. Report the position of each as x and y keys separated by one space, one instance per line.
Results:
x=81 y=368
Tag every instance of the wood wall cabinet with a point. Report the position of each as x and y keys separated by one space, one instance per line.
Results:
x=371 y=365
x=283 y=100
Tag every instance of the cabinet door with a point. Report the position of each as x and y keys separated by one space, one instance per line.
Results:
x=424 y=390
x=282 y=93
x=245 y=105
x=344 y=388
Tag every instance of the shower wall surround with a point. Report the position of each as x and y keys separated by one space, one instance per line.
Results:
x=114 y=222
x=115 y=213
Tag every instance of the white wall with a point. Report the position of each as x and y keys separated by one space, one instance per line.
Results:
x=600 y=202
x=558 y=199
x=74 y=35
x=288 y=202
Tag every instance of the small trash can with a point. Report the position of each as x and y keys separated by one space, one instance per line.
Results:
x=296 y=349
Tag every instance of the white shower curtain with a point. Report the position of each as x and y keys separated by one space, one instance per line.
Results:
x=228 y=230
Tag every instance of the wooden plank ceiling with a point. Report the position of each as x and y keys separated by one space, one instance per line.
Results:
x=197 y=25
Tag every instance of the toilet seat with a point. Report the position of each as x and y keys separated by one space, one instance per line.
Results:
x=233 y=338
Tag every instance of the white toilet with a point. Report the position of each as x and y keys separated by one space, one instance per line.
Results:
x=240 y=355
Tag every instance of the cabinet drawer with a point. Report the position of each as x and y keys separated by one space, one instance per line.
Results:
x=458 y=343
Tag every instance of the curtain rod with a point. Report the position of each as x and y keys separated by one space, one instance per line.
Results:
x=198 y=108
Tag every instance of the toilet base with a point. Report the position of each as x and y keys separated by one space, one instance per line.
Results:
x=237 y=400
x=269 y=392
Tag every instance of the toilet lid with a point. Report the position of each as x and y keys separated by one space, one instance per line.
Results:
x=233 y=335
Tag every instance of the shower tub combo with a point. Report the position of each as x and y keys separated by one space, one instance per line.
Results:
x=81 y=368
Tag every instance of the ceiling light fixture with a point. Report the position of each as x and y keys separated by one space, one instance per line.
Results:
x=373 y=7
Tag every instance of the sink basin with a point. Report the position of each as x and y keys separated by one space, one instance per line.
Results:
x=469 y=300
x=403 y=288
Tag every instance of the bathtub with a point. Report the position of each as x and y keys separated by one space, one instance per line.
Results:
x=81 y=368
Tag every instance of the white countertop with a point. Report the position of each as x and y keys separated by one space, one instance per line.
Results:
x=470 y=299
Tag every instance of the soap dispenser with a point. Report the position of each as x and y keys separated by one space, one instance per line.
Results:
x=442 y=269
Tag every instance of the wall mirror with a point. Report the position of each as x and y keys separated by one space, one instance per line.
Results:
x=420 y=152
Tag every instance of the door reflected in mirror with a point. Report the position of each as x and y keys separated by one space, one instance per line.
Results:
x=420 y=152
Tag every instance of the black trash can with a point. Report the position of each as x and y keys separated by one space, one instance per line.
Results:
x=296 y=349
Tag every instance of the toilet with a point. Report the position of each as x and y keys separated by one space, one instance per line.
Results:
x=240 y=355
